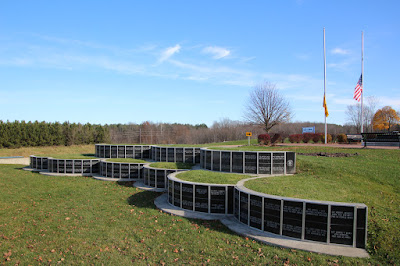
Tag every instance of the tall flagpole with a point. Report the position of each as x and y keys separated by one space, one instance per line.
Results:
x=325 y=85
x=362 y=82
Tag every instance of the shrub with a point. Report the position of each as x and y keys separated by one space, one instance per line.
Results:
x=264 y=139
x=329 y=138
x=317 y=137
x=276 y=138
x=307 y=137
x=342 y=138
x=296 y=138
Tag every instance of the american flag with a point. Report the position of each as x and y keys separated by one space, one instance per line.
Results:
x=358 y=90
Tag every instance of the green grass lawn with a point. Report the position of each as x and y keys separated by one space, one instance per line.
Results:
x=71 y=156
x=126 y=160
x=203 y=176
x=170 y=165
x=47 y=220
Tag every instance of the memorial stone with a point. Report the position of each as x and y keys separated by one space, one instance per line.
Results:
x=179 y=155
x=218 y=199
x=244 y=207
x=225 y=161
x=361 y=227
x=201 y=198
x=316 y=222
x=272 y=215
x=290 y=162
x=237 y=162
x=278 y=162
x=342 y=220
x=250 y=163
x=130 y=152
x=171 y=154
x=292 y=218
x=256 y=211
x=187 y=196
x=264 y=163
x=189 y=155
x=216 y=161
x=177 y=194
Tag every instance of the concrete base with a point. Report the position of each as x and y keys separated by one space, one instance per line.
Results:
x=268 y=238
x=63 y=174
x=141 y=185
x=27 y=168
x=100 y=177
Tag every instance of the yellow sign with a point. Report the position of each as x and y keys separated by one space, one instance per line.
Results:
x=248 y=134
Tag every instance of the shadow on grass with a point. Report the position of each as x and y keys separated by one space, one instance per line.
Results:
x=125 y=183
x=89 y=154
x=143 y=199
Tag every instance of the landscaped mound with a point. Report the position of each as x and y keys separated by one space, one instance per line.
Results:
x=165 y=165
x=202 y=176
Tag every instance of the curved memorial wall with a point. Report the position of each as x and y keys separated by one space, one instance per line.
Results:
x=73 y=166
x=249 y=162
x=121 y=170
x=38 y=162
x=175 y=154
x=157 y=177
x=200 y=197
x=123 y=151
x=322 y=221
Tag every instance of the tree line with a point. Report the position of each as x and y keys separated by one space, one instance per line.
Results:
x=29 y=134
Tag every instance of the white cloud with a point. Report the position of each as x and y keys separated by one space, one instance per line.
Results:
x=170 y=51
x=340 y=51
x=216 y=52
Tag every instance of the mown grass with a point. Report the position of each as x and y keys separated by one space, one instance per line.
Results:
x=170 y=165
x=126 y=160
x=71 y=156
x=203 y=176
x=54 y=150
x=81 y=220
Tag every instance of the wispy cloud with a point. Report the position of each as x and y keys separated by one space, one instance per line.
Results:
x=170 y=51
x=216 y=52
x=340 y=51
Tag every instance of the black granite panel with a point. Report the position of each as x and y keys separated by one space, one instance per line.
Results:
x=55 y=166
x=152 y=177
x=95 y=166
x=170 y=191
x=121 y=151
x=107 y=150
x=171 y=154
x=272 y=215
x=39 y=163
x=250 y=162
x=342 y=219
x=201 y=198
x=230 y=199
x=187 y=196
x=103 y=169
x=124 y=170
x=290 y=162
x=225 y=161
x=138 y=152
x=236 y=203
x=130 y=152
x=157 y=154
x=237 y=162
x=146 y=152
x=78 y=167
x=163 y=154
x=114 y=150
x=216 y=160
x=177 y=194
x=161 y=178
x=189 y=155
x=196 y=155
x=33 y=162
x=109 y=169
x=278 y=162
x=116 y=170
x=264 y=163
x=45 y=163
x=361 y=227
x=218 y=199
x=208 y=160
x=316 y=222
x=292 y=218
x=179 y=155
x=86 y=166
x=244 y=207
x=69 y=166
x=256 y=211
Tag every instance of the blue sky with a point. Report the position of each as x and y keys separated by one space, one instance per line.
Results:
x=191 y=61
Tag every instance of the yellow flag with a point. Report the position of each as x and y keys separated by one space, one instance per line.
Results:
x=326 y=107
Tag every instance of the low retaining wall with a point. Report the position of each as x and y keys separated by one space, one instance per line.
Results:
x=200 y=197
x=157 y=177
x=73 y=166
x=121 y=170
x=249 y=162
x=38 y=162
x=175 y=154
x=321 y=221
x=123 y=151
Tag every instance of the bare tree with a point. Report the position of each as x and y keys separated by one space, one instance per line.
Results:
x=353 y=114
x=267 y=107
